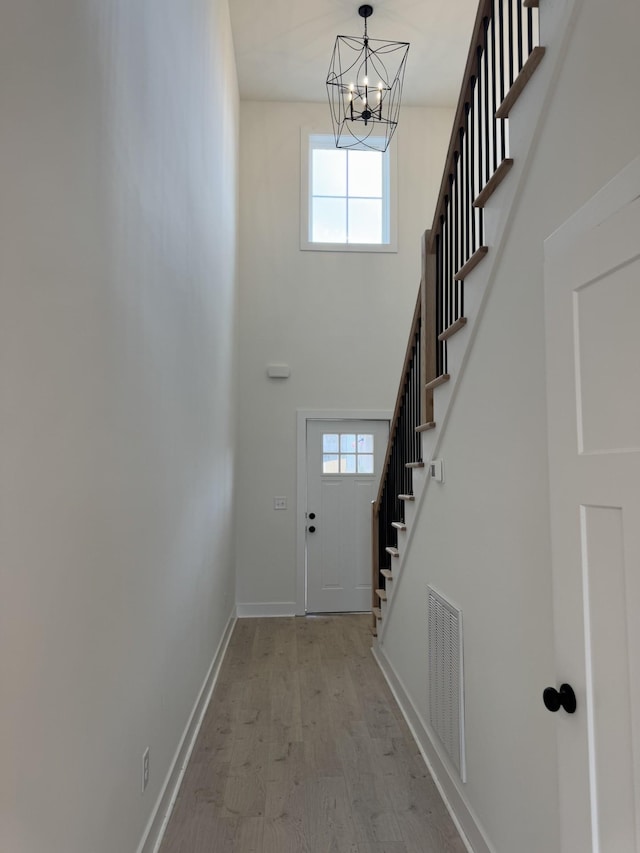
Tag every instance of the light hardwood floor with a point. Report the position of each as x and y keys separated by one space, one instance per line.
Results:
x=304 y=750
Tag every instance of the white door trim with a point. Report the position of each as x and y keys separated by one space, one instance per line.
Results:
x=302 y=416
x=618 y=193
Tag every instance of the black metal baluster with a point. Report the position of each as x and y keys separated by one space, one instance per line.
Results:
x=411 y=419
x=460 y=238
x=510 y=28
x=464 y=230
x=396 y=474
x=441 y=366
x=415 y=390
x=480 y=154
x=420 y=382
x=472 y=146
x=501 y=45
x=403 y=447
x=520 y=50
x=488 y=120
x=454 y=233
x=411 y=401
x=399 y=471
x=529 y=30
x=441 y=347
x=451 y=250
x=480 y=125
x=461 y=180
x=445 y=268
x=494 y=94
x=468 y=214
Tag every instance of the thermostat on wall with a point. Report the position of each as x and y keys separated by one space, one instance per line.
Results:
x=278 y=371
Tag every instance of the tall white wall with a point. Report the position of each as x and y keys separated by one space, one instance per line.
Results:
x=118 y=212
x=339 y=320
x=483 y=536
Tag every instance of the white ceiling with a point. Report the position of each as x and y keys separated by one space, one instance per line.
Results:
x=283 y=47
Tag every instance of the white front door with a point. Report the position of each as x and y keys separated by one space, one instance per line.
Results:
x=344 y=460
x=592 y=315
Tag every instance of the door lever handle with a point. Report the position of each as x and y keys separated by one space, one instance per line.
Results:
x=564 y=698
x=311 y=529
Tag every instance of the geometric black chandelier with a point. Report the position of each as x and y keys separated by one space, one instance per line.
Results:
x=364 y=85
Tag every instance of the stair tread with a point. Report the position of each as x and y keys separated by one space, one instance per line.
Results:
x=377 y=612
x=494 y=182
x=535 y=58
x=425 y=427
x=439 y=380
x=393 y=551
x=399 y=525
x=414 y=464
x=473 y=262
x=460 y=323
x=382 y=594
x=406 y=497
x=387 y=573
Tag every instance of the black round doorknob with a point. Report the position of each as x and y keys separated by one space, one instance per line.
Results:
x=564 y=698
x=312 y=515
x=312 y=529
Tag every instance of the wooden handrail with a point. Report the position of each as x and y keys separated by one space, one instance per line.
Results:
x=478 y=39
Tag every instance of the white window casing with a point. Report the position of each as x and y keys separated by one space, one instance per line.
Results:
x=311 y=140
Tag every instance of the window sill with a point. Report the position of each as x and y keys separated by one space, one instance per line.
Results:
x=389 y=248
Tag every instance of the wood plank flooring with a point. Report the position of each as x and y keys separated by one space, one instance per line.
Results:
x=304 y=750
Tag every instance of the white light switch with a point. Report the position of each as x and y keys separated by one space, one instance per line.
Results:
x=279 y=503
x=436 y=469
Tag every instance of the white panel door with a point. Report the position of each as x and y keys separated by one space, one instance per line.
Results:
x=592 y=315
x=344 y=460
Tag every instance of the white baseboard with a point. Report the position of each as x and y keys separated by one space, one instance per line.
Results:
x=271 y=608
x=465 y=820
x=154 y=832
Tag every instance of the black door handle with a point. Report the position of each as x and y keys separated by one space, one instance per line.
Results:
x=311 y=529
x=312 y=515
x=564 y=698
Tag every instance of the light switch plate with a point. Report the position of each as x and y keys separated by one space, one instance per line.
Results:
x=436 y=469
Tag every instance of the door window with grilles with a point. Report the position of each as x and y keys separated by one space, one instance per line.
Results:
x=347 y=453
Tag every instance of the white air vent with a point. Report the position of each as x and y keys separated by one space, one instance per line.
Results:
x=446 y=696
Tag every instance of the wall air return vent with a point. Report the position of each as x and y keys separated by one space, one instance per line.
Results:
x=446 y=695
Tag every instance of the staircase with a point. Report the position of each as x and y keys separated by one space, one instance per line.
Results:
x=503 y=56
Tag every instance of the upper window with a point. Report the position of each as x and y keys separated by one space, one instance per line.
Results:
x=347 y=201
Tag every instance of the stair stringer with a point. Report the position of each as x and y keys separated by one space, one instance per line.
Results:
x=526 y=123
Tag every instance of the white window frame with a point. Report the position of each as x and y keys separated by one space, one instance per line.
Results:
x=321 y=138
